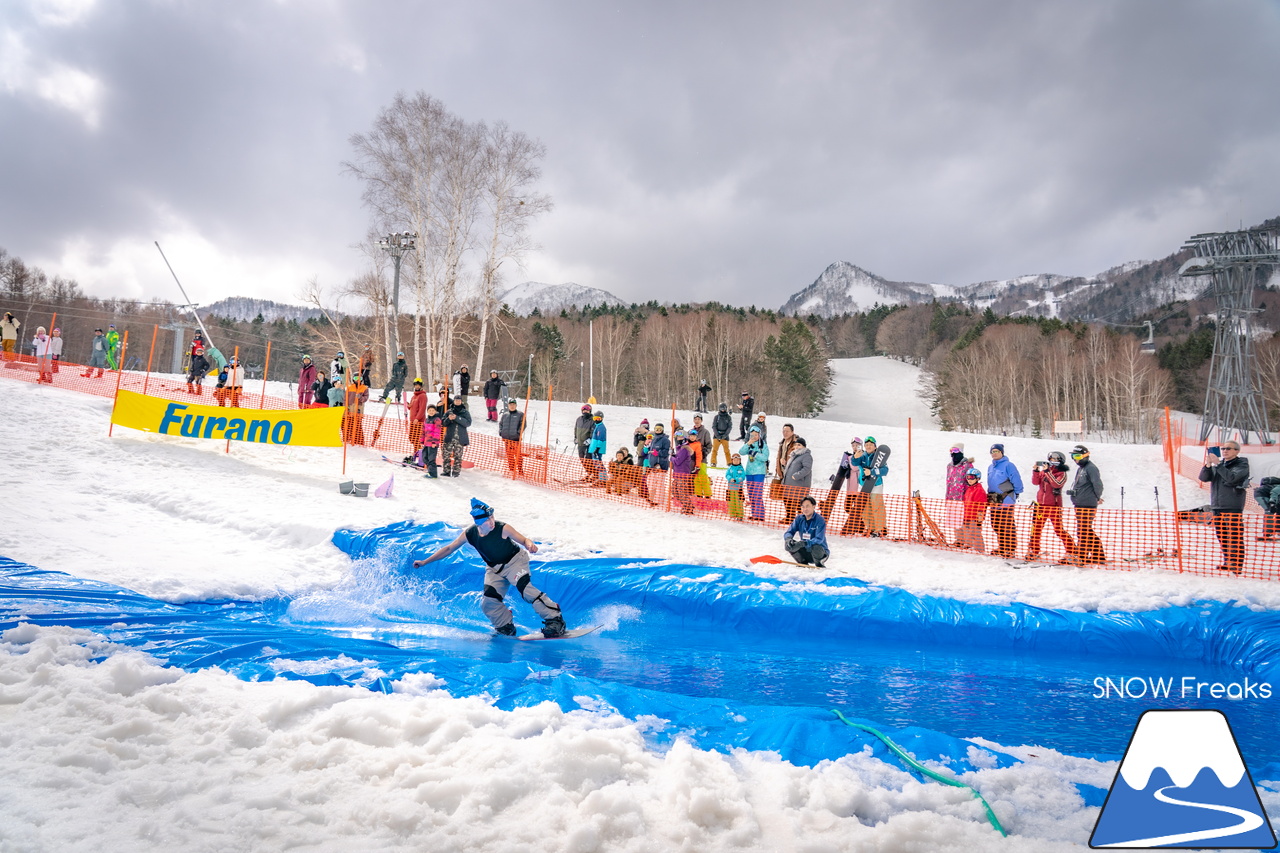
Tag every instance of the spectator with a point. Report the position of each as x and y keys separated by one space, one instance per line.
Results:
x=1086 y=494
x=797 y=476
x=220 y=387
x=975 y=507
x=844 y=471
x=417 y=414
x=235 y=382
x=320 y=390
x=747 y=405
x=337 y=392
x=1050 y=476
x=442 y=389
x=113 y=347
x=338 y=369
x=197 y=341
x=622 y=473
x=1268 y=497
x=661 y=448
x=432 y=435
x=582 y=429
x=721 y=427
x=511 y=431
x=55 y=348
x=734 y=477
x=492 y=393
x=197 y=371
x=764 y=427
x=456 y=421
x=1228 y=479
x=464 y=382
x=40 y=348
x=9 y=327
x=399 y=373
x=683 y=467
x=695 y=449
x=703 y=390
x=596 y=449
x=785 y=447
x=871 y=487
x=1004 y=487
x=306 y=379
x=638 y=436
x=97 y=354
x=855 y=500
x=755 y=454
x=646 y=461
x=806 y=538
x=702 y=437
x=957 y=468
x=357 y=395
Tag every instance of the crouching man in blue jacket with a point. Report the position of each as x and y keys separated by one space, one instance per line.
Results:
x=806 y=538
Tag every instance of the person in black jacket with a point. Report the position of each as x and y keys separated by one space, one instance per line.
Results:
x=703 y=390
x=456 y=421
x=747 y=406
x=721 y=427
x=510 y=430
x=1086 y=494
x=582 y=429
x=1228 y=479
x=199 y=367
x=399 y=373
x=492 y=392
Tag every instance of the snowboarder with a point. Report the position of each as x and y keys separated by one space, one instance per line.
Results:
x=871 y=485
x=806 y=538
x=399 y=373
x=499 y=545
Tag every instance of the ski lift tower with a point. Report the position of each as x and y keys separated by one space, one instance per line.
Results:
x=1235 y=262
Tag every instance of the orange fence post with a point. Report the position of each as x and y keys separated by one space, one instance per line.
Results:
x=1173 y=485
x=546 y=469
x=124 y=348
x=671 y=430
x=262 y=402
x=155 y=329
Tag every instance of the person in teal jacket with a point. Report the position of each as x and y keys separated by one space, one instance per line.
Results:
x=596 y=449
x=755 y=454
x=734 y=477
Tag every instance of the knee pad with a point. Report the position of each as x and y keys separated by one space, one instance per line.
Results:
x=490 y=592
x=521 y=583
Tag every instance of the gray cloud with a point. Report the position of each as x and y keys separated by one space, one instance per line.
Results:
x=695 y=151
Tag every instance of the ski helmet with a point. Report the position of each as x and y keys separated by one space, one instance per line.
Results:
x=973 y=472
x=586 y=408
x=1056 y=457
x=724 y=407
x=480 y=510
x=599 y=414
x=1079 y=450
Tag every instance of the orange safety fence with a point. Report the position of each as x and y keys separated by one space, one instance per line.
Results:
x=1188 y=541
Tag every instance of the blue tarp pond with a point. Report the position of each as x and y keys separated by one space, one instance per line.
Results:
x=727 y=658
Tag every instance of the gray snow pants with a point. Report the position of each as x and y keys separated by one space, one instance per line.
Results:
x=498 y=579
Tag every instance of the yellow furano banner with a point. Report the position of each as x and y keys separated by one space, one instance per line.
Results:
x=301 y=428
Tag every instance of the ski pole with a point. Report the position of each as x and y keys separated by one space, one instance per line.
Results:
x=1157 y=489
x=1122 y=498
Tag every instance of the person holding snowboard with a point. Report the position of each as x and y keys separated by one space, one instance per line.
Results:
x=844 y=475
x=500 y=546
x=806 y=538
x=872 y=469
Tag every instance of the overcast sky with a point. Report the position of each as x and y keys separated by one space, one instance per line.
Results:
x=695 y=150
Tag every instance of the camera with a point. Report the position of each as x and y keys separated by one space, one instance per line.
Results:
x=1042 y=464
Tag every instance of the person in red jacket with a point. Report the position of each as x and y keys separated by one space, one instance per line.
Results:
x=1050 y=476
x=306 y=379
x=417 y=414
x=975 y=509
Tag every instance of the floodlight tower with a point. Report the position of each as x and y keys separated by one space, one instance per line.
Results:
x=1236 y=262
x=396 y=245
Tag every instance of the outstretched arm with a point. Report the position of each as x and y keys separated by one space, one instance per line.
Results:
x=519 y=538
x=443 y=552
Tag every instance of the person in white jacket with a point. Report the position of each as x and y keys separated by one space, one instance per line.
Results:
x=55 y=348
x=43 y=358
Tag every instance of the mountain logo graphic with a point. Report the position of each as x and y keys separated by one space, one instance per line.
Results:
x=1183 y=783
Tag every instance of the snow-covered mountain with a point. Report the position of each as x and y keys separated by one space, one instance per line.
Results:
x=844 y=289
x=552 y=298
x=246 y=308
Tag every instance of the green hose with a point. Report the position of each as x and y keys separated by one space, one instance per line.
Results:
x=916 y=765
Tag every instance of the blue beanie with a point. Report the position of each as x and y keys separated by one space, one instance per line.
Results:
x=480 y=510
x=999 y=447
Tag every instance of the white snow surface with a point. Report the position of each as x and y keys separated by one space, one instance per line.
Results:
x=105 y=749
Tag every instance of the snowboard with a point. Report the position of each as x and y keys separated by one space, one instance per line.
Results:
x=878 y=460
x=567 y=635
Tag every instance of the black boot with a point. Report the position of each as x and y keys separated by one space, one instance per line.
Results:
x=553 y=627
x=507 y=630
